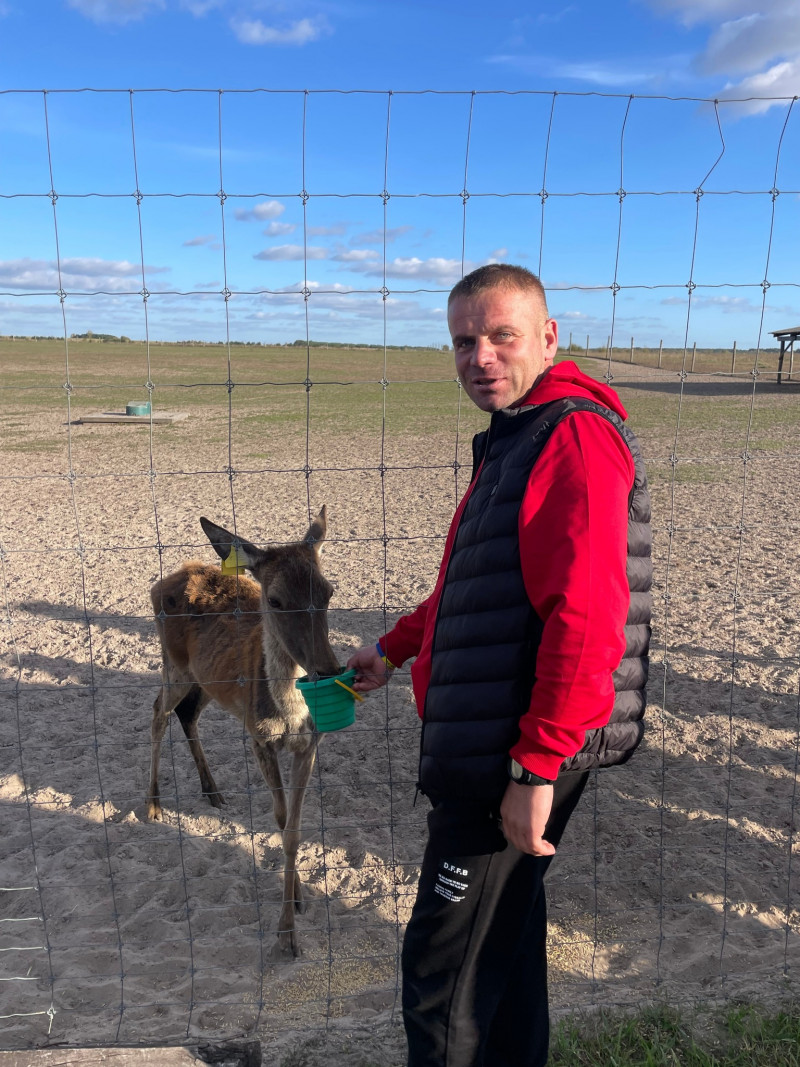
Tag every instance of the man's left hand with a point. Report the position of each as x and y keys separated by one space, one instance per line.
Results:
x=524 y=814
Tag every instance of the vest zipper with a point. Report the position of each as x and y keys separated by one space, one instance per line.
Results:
x=472 y=485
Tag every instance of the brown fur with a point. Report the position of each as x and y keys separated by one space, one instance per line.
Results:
x=240 y=642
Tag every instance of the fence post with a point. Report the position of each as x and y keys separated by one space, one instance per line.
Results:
x=694 y=354
x=570 y=342
x=587 y=345
x=791 y=358
x=631 y=357
x=733 y=359
x=660 y=352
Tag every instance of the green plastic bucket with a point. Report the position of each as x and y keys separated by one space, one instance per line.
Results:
x=331 y=705
x=136 y=407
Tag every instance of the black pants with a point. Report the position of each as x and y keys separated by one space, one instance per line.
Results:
x=474 y=954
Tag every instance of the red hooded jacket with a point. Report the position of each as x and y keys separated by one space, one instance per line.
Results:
x=573 y=526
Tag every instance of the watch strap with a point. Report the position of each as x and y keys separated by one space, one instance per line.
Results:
x=517 y=773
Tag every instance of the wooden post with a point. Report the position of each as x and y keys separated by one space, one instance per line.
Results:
x=631 y=357
x=570 y=342
x=660 y=353
x=694 y=354
x=587 y=345
x=733 y=359
x=791 y=358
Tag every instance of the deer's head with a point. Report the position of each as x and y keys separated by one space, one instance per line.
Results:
x=294 y=592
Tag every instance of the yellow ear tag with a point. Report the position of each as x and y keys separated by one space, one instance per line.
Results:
x=235 y=562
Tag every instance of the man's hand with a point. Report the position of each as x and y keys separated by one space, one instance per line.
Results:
x=524 y=814
x=372 y=672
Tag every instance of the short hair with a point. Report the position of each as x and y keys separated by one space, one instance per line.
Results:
x=498 y=276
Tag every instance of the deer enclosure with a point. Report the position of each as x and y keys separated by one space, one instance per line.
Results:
x=678 y=873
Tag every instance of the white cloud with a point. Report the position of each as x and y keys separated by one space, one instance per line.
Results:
x=203 y=239
x=781 y=80
x=691 y=12
x=279 y=229
x=199 y=8
x=746 y=44
x=334 y=230
x=436 y=269
x=77 y=273
x=267 y=209
x=342 y=304
x=119 y=11
x=499 y=253
x=254 y=31
x=356 y=255
x=377 y=237
x=289 y=252
x=610 y=75
x=761 y=41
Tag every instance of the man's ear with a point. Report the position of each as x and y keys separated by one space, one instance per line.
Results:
x=550 y=339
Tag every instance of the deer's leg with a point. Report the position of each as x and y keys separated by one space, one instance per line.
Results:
x=188 y=711
x=287 y=945
x=267 y=759
x=172 y=692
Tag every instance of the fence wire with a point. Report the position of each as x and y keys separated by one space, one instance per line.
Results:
x=678 y=877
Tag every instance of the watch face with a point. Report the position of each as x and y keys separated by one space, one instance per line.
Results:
x=516 y=770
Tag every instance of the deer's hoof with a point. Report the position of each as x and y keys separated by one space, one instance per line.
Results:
x=285 y=949
x=215 y=799
x=154 y=813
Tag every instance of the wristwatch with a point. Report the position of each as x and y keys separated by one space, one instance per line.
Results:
x=518 y=774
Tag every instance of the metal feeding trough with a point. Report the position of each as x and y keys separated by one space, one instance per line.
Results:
x=135 y=407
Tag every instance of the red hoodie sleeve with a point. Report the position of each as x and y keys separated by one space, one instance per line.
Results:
x=405 y=639
x=573 y=547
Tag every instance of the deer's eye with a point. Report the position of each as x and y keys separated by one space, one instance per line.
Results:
x=273 y=603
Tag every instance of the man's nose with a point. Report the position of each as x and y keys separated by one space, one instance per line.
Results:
x=483 y=352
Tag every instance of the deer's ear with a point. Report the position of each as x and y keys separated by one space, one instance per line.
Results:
x=315 y=534
x=223 y=541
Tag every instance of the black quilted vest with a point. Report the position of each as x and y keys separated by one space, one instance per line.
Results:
x=487 y=634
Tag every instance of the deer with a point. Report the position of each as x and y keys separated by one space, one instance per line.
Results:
x=243 y=643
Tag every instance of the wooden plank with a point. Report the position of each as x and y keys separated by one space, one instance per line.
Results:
x=134 y=420
x=233 y=1054
x=102 y=1057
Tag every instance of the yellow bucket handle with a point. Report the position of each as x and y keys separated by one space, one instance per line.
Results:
x=344 y=685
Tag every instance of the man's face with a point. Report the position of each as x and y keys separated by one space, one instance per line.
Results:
x=502 y=341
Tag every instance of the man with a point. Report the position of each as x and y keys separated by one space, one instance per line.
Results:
x=516 y=651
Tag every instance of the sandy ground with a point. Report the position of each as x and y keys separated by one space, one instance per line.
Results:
x=678 y=875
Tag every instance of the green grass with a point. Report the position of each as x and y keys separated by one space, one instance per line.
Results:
x=742 y=1036
x=346 y=394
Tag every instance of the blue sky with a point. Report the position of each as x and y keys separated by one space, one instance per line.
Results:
x=627 y=264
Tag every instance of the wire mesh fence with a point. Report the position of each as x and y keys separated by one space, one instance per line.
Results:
x=158 y=246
